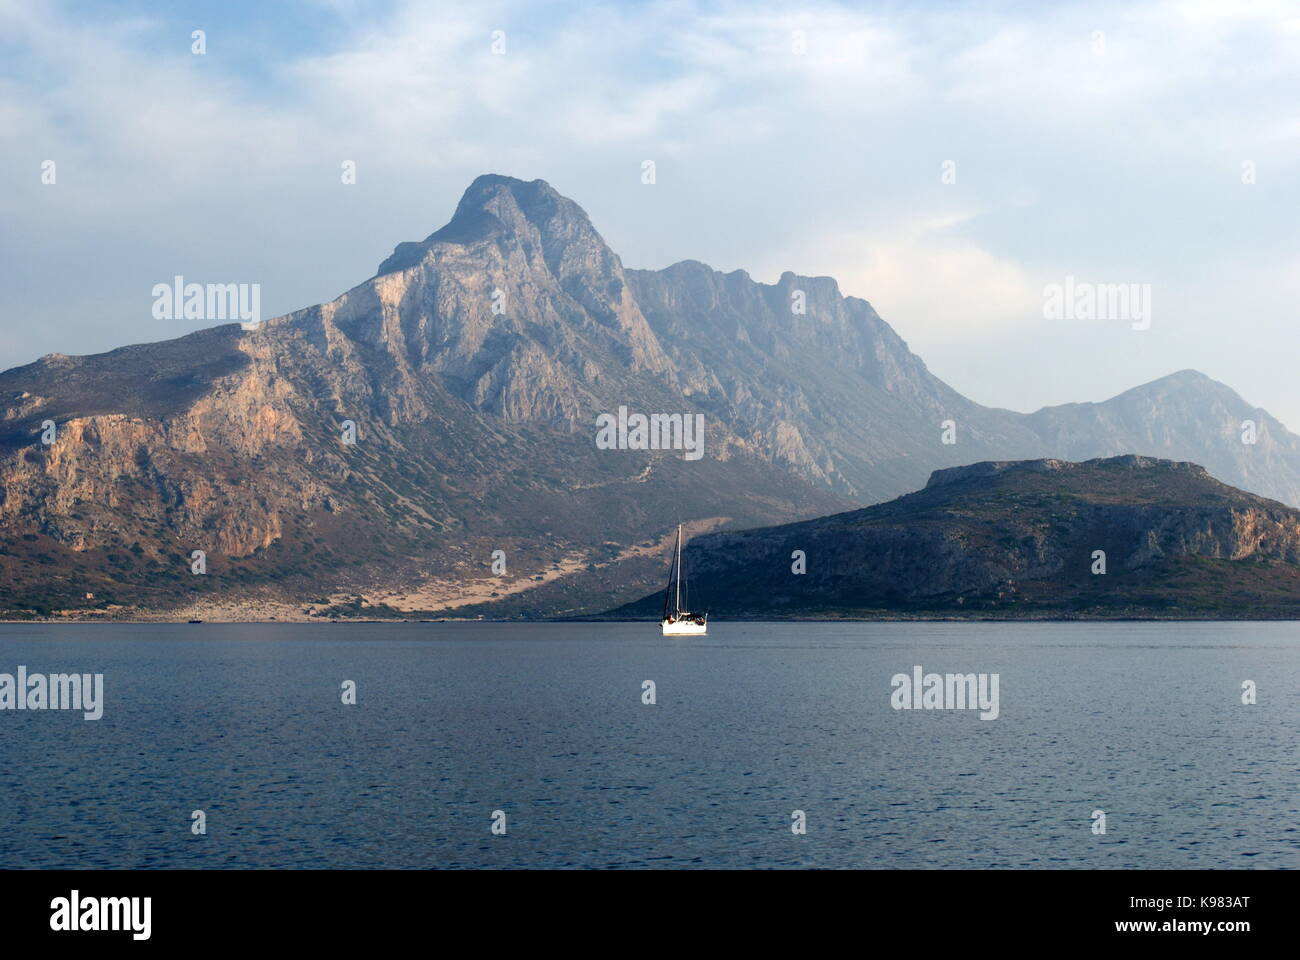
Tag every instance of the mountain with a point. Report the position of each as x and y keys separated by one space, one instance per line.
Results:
x=475 y=433
x=1122 y=537
x=836 y=395
x=1185 y=416
x=474 y=366
x=833 y=393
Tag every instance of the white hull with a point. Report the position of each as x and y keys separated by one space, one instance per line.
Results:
x=684 y=628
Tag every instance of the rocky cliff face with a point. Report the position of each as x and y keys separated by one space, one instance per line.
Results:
x=1123 y=536
x=832 y=392
x=473 y=366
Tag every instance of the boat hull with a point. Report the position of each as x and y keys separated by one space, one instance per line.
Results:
x=684 y=628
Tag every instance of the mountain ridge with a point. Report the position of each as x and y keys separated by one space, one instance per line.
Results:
x=473 y=365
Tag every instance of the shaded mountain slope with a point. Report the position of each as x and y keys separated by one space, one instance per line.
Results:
x=1124 y=536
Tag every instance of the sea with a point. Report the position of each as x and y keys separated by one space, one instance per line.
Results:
x=605 y=745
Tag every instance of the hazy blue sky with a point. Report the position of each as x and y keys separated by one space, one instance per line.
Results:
x=1103 y=141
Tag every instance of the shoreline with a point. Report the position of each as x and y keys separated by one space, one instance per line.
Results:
x=744 y=619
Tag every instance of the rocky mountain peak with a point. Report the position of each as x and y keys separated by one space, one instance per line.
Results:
x=517 y=304
x=508 y=210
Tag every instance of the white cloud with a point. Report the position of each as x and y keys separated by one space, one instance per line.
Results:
x=1112 y=164
x=931 y=284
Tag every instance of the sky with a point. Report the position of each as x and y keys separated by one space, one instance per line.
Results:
x=948 y=162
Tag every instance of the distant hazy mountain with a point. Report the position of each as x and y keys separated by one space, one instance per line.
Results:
x=474 y=366
x=837 y=396
x=1125 y=536
x=1185 y=416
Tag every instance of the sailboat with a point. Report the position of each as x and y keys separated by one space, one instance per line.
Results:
x=678 y=622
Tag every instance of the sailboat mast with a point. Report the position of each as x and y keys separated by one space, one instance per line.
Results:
x=679 y=566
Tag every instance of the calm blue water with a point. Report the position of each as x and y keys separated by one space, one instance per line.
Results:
x=546 y=723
